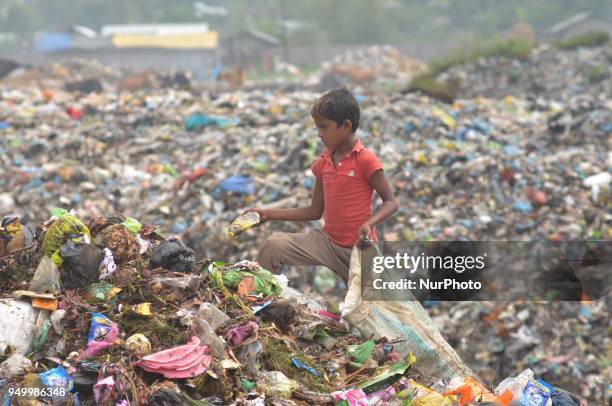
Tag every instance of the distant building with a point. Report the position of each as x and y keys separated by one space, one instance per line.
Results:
x=577 y=25
x=192 y=47
x=248 y=47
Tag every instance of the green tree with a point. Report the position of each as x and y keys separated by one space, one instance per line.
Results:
x=20 y=19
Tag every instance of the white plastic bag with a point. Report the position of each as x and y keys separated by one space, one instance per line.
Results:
x=353 y=296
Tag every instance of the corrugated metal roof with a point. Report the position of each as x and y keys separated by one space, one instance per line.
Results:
x=563 y=25
x=206 y=40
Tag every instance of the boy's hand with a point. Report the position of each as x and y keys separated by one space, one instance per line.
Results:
x=365 y=232
x=263 y=214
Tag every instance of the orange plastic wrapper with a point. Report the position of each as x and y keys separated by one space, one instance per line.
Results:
x=45 y=304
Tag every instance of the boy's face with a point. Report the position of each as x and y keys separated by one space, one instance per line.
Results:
x=332 y=134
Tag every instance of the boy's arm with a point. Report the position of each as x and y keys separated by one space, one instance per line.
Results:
x=389 y=206
x=312 y=212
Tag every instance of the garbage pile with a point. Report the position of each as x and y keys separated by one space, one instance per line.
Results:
x=187 y=160
x=481 y=168
x=82 y=77
x=562 y=342
x=547 y=73
x=371 y=69
x=111 y=312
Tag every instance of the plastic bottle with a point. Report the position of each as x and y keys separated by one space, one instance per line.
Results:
x=242 y=223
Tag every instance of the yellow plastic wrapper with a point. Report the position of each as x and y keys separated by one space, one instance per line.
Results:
x=424 y=396
x=65 y=227
x=242 y=223
x=12 y=228
x=446 y=118
x=142 y=309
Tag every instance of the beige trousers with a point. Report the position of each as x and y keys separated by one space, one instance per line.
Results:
x=304 y=249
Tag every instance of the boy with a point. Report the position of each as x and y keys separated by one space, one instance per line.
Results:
x=346 y=175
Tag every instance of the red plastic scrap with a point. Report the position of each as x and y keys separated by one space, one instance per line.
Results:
x=74 y=113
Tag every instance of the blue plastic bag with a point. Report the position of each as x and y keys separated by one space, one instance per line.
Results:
x=238 y=184
x=57 y=377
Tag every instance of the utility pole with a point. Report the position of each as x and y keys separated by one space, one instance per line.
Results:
x=284 y=37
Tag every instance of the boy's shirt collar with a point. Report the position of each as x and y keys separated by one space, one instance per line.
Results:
x=356 y=148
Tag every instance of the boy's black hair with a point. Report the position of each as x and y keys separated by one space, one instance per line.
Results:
x=337 y=105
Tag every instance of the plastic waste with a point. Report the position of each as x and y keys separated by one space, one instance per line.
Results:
x=141 y=309
x=208 y=337
x=132 y=224
x=538 y=393
x=81 y=263
x=183 y=282
x=559 y=398
x=14 y=365
x=265 y=282
x=423 y=396
x=249 y=355
x=467 y=389
x=406 y=321
x=173 y=254
x=598 y=182
x=43 y=325
x=107 y=266
x=246 y=384
x=18 y=319
x=324 y=280
x=104 y=389
x=185 y=361
x=302 y=365
x=385 y=376
x=276 y=384
x=382 y=396
x=57 y=377
x=243 y=223
x=362 y=352
x=56 y=320
x=165 y=397
x=45 y=304
x=198 y=121
x=46 y=279
x=102 y=334
x=66 y=227
x=352 y=397
x=85 y=86
x=241 y=335
x=238 y=184
x=103 y=291
x=212 y=315
x=524 y=387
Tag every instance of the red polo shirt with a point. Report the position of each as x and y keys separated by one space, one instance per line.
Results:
x=347 y=192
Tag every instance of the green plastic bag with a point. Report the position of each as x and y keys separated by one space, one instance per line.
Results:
x=58 y=212
x=43 y=335
x=385 y=376
x=361 y=353
x=265 y=282
x=132 y=224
